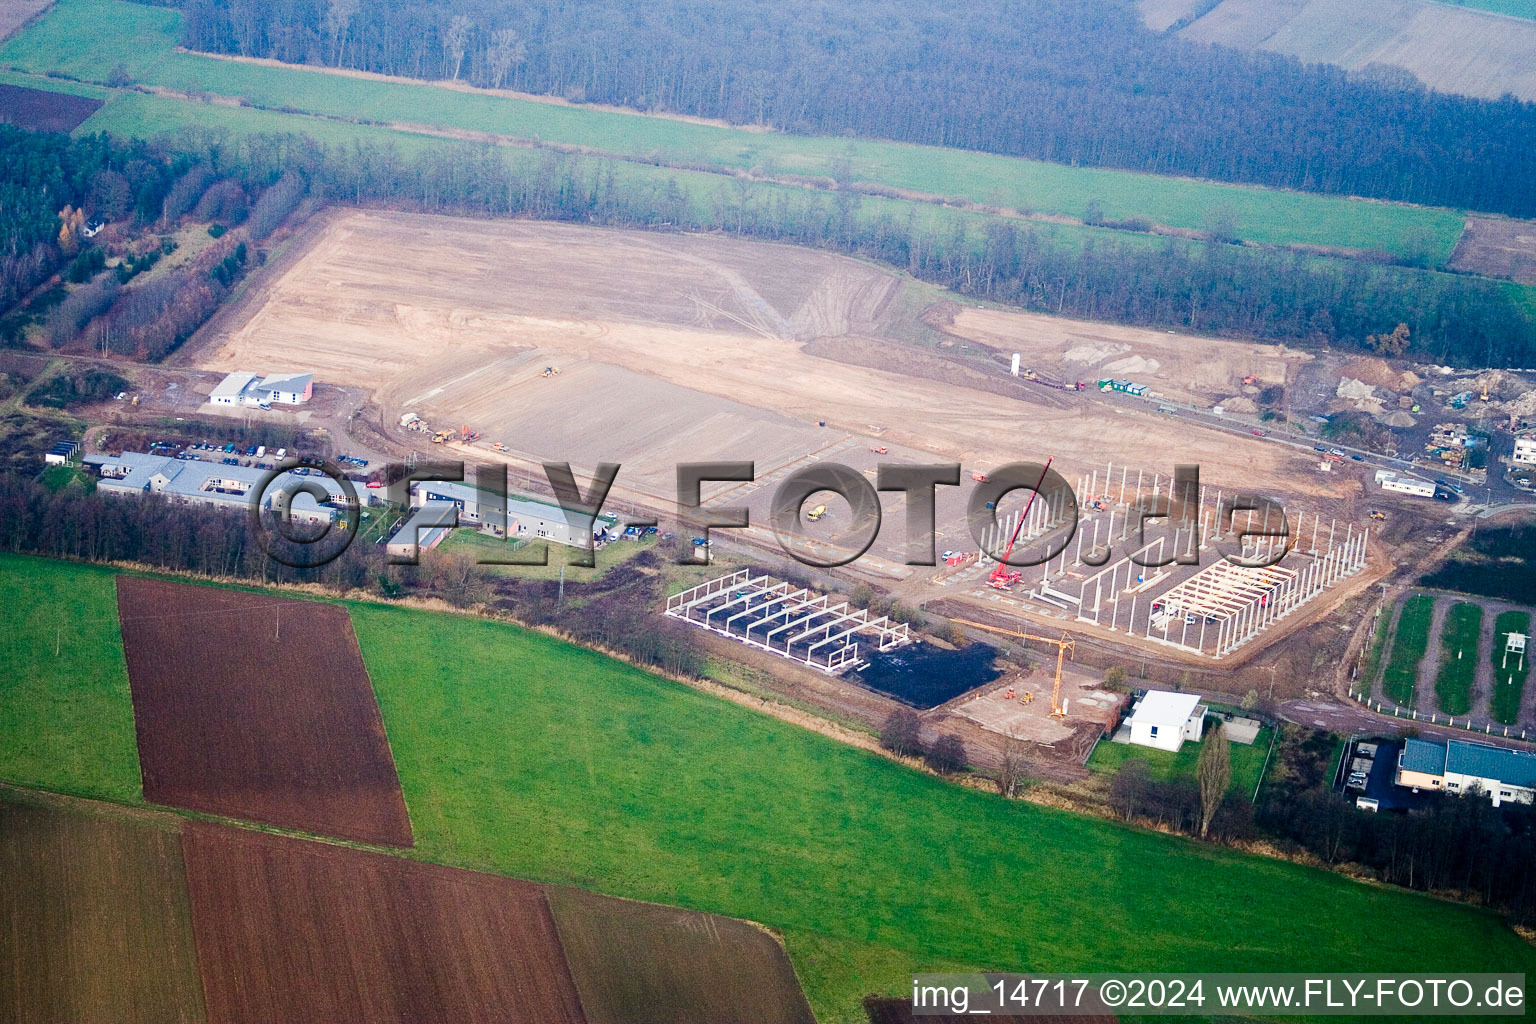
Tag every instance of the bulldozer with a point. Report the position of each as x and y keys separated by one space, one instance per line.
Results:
x=1376 y=514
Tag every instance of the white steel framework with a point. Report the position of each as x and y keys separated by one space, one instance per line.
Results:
x=792 y=622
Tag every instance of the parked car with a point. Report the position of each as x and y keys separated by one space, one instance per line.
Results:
x=1358 y=458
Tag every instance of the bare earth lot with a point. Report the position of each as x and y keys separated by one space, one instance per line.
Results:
x=41 y=111
x=94 y=923
x=16 y=13
x=1498 y=246
x=258 y=708
x=302 y=932
x=1474 y=53
x=683 y=348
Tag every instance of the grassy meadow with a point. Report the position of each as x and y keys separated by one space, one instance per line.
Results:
x=66 y=715
x=141 y=41
x=1409 y=644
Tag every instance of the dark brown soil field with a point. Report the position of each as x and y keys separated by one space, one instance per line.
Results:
x=94 y=924
x=640 y=963
x=1499 y=246
x=298 y=931
x=42 y=111
x=258 y=708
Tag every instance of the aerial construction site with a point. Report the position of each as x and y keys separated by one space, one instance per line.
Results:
x=521 y=343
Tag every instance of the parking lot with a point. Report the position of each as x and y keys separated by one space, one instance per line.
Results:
x=1379 y=785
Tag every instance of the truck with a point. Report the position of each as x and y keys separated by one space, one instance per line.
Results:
x=816 y=513
x=979 y=476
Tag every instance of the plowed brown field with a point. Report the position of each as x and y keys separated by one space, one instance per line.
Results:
x=300 y=932
x=259 y=708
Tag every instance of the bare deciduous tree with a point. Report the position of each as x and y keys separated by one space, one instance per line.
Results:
x=1214 y=773
x=1017 y=752
x=505 y=53
x=456 y=41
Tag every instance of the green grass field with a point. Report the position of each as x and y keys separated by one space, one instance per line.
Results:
x=66 y=715
x=523 y=755
x=1508 y=672
x=1409 y=645
x=1459 y=641
x=141 y=39
x=1166 y=766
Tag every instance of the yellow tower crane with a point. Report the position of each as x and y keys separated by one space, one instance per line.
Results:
x=1063 y=645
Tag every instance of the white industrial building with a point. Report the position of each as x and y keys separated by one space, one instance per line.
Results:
x=1390 y=481
x=1165 y=720
x=194 y=482
x=1459 y=767
x=253 y=390
x=512 y=517
x=1525 y=450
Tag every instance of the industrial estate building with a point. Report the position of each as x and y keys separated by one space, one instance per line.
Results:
x=1460 y=767
x=1525 y=450
x=513 y=517
x=1390 y=481
x=1165 y=720
x=253 y=390
x=194 y=482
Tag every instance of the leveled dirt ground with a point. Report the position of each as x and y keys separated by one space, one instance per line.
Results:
x=1499 y=247
x=687 y=348
x=258 y=708
x=307 y=933
x=94 y=923
x=16 y=13
x=1474 y=53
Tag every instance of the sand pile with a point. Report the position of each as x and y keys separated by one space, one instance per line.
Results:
x=1239 y=404
x=1401 y=419
x=1373 y=371
x=1093 y=353
x=1132 y=364
x=1351 y=387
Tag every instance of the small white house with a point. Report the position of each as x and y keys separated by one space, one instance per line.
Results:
x=282 y=389
x=1165 y=720
x=231 y=388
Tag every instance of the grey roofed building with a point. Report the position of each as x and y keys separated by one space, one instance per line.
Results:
x=285 y=388
x=526 y=519
x=194 y=482
x=419 y=532
x=229 y=390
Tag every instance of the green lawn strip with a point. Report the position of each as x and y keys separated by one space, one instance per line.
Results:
x=1167 y=766
x=1409 y=645
x=1509 y=670
x=142 y=41
x=523 y=755
x=66 y=713
x=1460 y=639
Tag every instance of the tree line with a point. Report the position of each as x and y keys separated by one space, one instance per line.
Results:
x=1456 y=845
x=1216 y=288
x=1211 y=287
x=1060 y=80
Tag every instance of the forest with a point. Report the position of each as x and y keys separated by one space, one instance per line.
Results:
x=1061 y=80
x=250 y=186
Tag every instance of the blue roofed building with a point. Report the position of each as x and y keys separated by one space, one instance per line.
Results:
x=1460 y=767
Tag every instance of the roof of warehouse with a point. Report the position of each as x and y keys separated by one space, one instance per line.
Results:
x=516 y=507
x=232 y=385
x=1161 y=707
x=1514 y=767
x=1424 y=756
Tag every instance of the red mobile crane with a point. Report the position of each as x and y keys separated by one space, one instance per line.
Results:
x=1004 y=577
